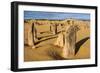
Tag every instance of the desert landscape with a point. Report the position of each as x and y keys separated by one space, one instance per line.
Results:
x=46 y=39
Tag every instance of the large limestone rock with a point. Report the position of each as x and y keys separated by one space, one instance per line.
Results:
x=29 y=34
x=66 y=40
x=70 y=40
x=60 y=40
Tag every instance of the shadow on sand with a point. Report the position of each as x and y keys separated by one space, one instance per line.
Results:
x=44 y=37
x=44 y=40
x=48 y=35
x=79 y=44
x=47 y=38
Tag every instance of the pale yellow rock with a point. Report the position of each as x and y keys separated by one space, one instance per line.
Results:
x=60 y=40
x=30 y=37
x=66 y=40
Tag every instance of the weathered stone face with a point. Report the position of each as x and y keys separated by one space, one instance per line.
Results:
x=30 y=33
x=70 y=40
x=67 y=39
x=60 y=40
x=28 y=38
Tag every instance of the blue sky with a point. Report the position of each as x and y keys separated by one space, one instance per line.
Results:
x=55 y=15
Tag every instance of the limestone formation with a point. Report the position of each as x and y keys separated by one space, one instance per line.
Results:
x=31 y=34
x=70 y=40
x=67 y=39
